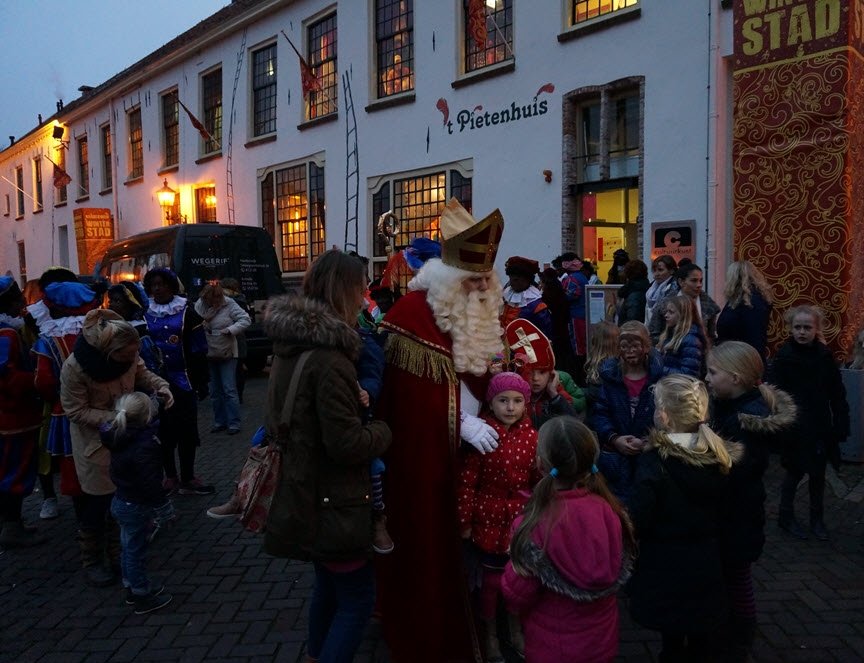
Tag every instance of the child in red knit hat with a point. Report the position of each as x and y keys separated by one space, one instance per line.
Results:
x=493 y=489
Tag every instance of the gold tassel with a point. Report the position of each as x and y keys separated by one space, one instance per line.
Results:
x=419 y=360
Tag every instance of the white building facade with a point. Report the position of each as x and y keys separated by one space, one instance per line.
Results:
x=589 y=123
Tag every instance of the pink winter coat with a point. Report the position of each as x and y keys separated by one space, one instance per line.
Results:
x=567 y=604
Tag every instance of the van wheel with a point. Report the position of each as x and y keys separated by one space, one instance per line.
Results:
x=255 y=364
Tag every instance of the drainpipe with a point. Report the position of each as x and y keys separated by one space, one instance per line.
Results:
x=711 y=161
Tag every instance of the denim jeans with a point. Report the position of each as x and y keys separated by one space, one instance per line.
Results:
x=223 y=393
x=338 y=612
x=134 y=520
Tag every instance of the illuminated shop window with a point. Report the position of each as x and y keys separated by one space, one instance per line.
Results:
x=585 y=10
x=264 y=91
x=170 y=129
x=498 y=43
x=416 y=200
x=321 y=57
x=293 y=212
x=394 y=42
x=211 y=95
x=205 y=204
x=136 y=145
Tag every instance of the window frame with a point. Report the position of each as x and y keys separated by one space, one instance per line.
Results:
x=327 y=99
x=62 y=194
x=601 y=16
x=38 y=179
x=212 y=116
x=380 y=68
x=376 y=246
x=169 y=128
x=106 y=152
x=260 y=128
x=19 y=192
x=203 y=213
x=468 y=48
x=83 y=157
x=135 y=133
x=314 y=166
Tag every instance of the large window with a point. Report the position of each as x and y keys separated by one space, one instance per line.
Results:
x=416 y=199
x=107 y=171
x=83 y=168
x=394 y=45
x=292 y=203
x=39 y=201
x=19 y=191
x=321 y=56
x=492 y=19
x=136 y=144
x=607 y=168
x=264 y=91
x=211 y=94
x=170 y=129
x=585 y=10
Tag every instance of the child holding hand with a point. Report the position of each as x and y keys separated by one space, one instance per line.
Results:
x=564 y=591
x=136 y=470
x=492 y=490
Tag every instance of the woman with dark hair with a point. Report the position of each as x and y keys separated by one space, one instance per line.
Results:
x=748 y=307
x=178 y=333
x=689 y=278
x=664 y=285
x=559 y=309
x=322 y=510
x=632 y=293
x=103 y=365
x=129 y=300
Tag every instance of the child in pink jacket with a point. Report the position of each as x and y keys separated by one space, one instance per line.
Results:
x=565 y=594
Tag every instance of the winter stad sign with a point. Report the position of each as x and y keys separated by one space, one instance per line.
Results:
x=479 y=117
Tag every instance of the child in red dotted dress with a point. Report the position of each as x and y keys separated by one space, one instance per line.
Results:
x=493 y=489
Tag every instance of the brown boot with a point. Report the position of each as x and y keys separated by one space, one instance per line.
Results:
x=493 y=646
x=381 y=541
x=517 y=641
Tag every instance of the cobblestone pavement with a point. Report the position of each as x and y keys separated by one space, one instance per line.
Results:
x=233 y=603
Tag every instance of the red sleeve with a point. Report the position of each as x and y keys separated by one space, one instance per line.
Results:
x=16 y=381
x=563 y=393
x=46 y=382
x=466 y=491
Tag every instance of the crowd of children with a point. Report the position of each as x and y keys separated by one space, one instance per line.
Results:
x=632 y=447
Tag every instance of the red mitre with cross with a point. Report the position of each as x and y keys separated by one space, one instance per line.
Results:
x=529 y=344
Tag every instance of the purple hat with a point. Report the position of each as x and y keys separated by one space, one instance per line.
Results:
x=508 y=382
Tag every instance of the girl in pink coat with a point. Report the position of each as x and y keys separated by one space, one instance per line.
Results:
x=571 y=552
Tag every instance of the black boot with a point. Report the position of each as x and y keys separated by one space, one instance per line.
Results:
x=97 y=573
x=14 y=534
x=788 y=522
x=817 y=525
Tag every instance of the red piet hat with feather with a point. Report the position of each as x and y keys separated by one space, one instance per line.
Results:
x=530 y=345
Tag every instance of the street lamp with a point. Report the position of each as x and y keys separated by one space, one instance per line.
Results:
x=167 y=196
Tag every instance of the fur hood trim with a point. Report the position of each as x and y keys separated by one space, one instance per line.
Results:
x=782 y=416
x=668 y=449
x=539 y=565
x=307 y=323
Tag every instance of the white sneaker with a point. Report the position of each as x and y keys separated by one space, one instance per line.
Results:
x=49 y=509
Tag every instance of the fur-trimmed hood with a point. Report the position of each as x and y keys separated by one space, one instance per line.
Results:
x=297 y=323
x=781 y=417
x=668 y=449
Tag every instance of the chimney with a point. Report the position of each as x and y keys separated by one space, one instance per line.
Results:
x=40 y=119
x=11 y=140
x=59 y=105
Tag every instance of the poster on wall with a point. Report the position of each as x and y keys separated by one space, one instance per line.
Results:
x=601 y=304
x=674 y=238
x=94 y=233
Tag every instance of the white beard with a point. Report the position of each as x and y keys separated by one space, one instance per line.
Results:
x=471 y=318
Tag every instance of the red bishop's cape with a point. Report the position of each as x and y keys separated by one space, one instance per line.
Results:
x=422 y=588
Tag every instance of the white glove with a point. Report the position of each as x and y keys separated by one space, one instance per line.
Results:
x=478 y=433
